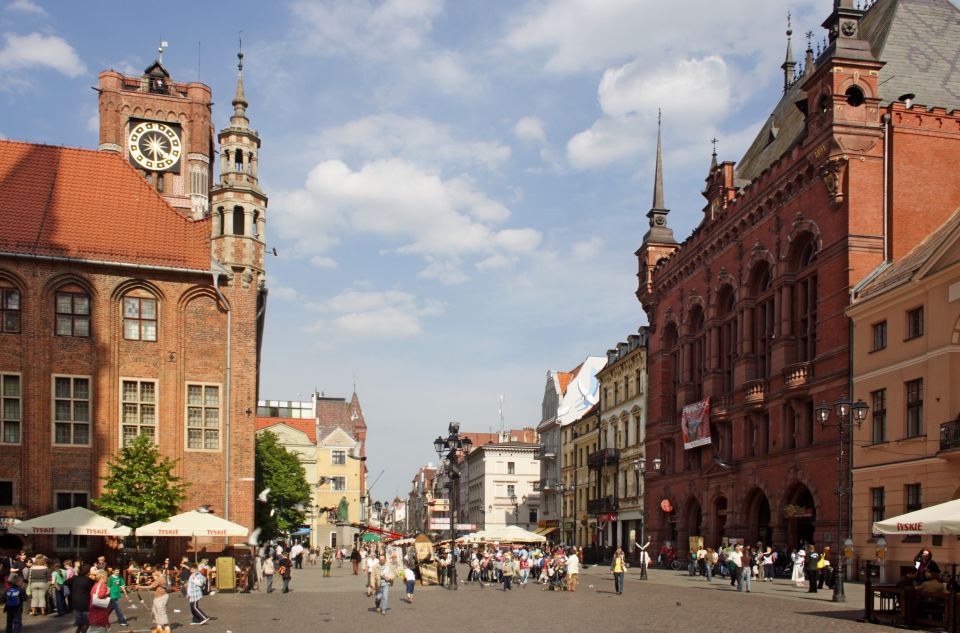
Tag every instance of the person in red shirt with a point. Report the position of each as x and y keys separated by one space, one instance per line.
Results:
x=99 y=616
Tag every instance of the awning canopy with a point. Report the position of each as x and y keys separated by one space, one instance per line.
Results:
x=505 y=534
x=193 y=523
x=943 y=518
x=545 y=530
x=75 y=521
x=370 y=537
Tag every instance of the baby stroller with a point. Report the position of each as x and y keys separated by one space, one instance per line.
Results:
x=557 y=579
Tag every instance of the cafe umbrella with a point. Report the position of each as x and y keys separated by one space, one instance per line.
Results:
x=943 y=518
x=73 y=522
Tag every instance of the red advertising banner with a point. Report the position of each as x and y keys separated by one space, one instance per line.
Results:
x=695 y=424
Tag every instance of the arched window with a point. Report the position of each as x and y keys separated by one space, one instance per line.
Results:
x=764 y=317
x=697 y=352
x=256 y=224
x=806 y=296
x=238 y=221
x=9 y=308
x=72 y=311
x=728 y=336
x=238 y=160
x=671 y=368
x=140 y=317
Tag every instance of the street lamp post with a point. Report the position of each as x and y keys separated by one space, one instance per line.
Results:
x=847 y=414
x=640 y=470
x=561 y=488
x=452 y=445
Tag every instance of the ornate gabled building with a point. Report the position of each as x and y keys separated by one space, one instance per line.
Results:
x=746 y=315
x=131 y=305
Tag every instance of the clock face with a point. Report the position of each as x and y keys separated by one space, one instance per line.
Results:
x=154 y=146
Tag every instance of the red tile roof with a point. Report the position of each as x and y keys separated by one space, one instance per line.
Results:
x=86 y=204
x=307 y=426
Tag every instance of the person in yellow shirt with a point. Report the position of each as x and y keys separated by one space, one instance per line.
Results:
x=618 y=566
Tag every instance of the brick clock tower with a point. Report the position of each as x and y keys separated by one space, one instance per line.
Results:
x=164 y=129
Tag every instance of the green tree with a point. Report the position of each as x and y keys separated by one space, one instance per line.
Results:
x=280 y=471
x=141 y=486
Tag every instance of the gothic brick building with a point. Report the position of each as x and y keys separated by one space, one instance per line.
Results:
x=133 y=301
x=847 y=174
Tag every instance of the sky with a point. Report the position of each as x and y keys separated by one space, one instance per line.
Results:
x=457 y=189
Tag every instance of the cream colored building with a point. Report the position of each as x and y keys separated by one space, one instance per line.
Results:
x=328 y=435
x=623 y=418
x=583 y=440
x=906 y=346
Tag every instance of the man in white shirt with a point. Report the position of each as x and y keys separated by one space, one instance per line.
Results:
x=295 y=553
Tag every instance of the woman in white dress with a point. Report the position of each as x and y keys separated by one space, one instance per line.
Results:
x=798 y=557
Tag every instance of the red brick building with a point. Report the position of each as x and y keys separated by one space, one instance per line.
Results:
x=133 y=301
x=848 y=173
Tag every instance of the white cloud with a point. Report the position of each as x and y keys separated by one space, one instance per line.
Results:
x=587 y=249
x=530 y=129
x=448 y=73
x=321 y=261
x=279 y=291
x=373 y=314
x=579 y=35
x=23 y=52
x=26 y=6
x=414 y=138
x=365 y=28
x=697 y=92
x=445 y=221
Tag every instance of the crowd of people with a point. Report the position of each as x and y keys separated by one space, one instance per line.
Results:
x=93 y=592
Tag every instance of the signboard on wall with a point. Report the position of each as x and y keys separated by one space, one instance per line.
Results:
x=695 y=424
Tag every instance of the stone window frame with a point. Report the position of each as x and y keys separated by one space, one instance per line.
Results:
x=204 y=407
x=4 y=420
x=140 y=403
x=72 y=422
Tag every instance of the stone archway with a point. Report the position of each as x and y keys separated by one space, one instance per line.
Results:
x=800 y=514
x=758 y=518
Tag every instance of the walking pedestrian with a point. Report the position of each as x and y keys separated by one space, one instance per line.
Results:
x=799 y=559
x=79 y=587
x=99 y=615
x=618 y=567
x=812 y=563
x=769 y=561
x=326 y=561
x=284 y=568
x=508 y=570
x=116 y=585
x=573 y=570
x=38 y=581
x=825 y=569
x=410 y=580
x=709 y=560
x=381 y=577
x=735 y=563
x=746 y=568
x=269 y=569
x=355 y=560
x=195 y=586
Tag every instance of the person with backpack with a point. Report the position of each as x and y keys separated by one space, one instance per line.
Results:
x=13 y=599
x=58 y=577
x=285 y=567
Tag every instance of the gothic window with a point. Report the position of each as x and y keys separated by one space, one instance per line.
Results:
x=805 y=304
x=238 y=221
x=199 y=181
x=764 y=318
x=139 y=319
x=728 y=337
x=72 y=312
x=671 y=368
x=9 y=309
x=698 y=352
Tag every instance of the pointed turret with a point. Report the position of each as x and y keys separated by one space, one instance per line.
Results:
x=237 y=201
x=808 y=61
x=659 y=231
x=788 y=65
x=239 y=118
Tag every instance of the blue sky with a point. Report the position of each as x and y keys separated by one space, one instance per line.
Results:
x=457 y=188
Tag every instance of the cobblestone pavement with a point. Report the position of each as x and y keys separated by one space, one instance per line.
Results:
x=668 y=602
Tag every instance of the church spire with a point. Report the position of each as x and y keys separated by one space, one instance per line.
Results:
x=788 y=64
x=659 y=231
x=239 y=118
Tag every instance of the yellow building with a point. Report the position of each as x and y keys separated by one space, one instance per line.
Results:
x=584 y=438
x=906 y=346
x=328 y=435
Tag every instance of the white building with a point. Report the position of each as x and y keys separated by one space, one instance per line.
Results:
x=566 y=398
x=501 y=485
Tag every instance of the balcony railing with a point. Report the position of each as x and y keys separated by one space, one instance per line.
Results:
x=602 y=505
x=546 y=452
x=756 y=392
x=797 y=375
x=603 y=457
x=950 y=435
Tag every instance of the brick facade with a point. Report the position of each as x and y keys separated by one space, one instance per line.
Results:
x=749 y=310
x=192 y=314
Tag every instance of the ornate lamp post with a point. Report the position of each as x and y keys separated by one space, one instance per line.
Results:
x=847 y=414
x=561 y=488
x=452 y=445
x=640 y=470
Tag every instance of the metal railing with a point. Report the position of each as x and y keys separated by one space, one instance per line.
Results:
x=950 y=435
